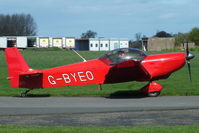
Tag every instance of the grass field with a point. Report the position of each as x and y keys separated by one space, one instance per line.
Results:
x=177 y=84
x=44 y=129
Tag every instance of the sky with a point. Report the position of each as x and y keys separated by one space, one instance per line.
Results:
x=109 y=18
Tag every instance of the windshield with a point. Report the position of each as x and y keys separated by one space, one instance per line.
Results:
x=119 y=55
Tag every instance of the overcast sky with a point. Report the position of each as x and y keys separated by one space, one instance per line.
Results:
x=109 y=18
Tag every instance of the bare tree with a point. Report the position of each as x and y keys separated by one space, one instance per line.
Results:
x=138 y=36
x=181 y=38
x=17 y=25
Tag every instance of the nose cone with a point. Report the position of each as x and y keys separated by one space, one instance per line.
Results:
x=190 y=56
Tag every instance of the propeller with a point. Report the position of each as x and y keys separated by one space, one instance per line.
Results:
x=189 y=56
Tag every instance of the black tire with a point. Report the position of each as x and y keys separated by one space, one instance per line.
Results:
x=154 y=94
x=23 y=95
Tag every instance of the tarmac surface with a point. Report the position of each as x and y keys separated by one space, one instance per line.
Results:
x=97 y=111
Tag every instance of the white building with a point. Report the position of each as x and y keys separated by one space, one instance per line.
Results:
x=69 y=42
x=57 y=42
x=19 y=42
x=104 y=44
x=114 y=44
x=43 y=42
x=3 y=42
x=94 y=44
x=124 y=43
x=22 y=42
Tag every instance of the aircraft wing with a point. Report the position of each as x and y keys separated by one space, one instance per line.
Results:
x=130 y=70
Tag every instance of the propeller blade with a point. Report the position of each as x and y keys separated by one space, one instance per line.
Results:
x=189 y=70
x=189 y=56
x=187 y=49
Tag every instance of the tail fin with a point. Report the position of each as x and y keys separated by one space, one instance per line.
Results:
x=16 y=64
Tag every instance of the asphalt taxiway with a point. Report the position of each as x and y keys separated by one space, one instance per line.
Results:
x=98 y=111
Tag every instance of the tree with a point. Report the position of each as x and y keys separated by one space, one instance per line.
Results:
x=194 y=35
x=138 y=36
x=163 y=34
x=89 y=34
x=17 y=25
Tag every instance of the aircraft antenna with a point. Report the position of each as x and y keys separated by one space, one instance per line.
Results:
x=79 y=55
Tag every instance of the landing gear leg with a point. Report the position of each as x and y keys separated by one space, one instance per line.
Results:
x=152 y=89
x=25 y=94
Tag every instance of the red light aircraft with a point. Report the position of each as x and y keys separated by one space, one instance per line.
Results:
x=120 y=65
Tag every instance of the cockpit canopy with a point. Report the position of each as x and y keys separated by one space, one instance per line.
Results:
x=119 y=55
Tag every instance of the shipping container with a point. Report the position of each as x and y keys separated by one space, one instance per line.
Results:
x=22 y=42
x=70 y=43
x=57 y=42
x=124 y=43
x=94 y=44
x=44 y=42
x=3 y=42
x=104 y=44
x=114 y=44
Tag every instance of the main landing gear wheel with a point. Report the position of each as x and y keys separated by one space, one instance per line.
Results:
x=154 y=94
x=25 y=94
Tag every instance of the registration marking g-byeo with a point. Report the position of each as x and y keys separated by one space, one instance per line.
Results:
x=72 y=77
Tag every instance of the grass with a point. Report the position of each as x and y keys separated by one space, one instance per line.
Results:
x=177 y=84
x=59 y=129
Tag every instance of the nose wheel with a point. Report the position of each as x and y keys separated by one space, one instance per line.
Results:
x=152 y=89
x=154 y=94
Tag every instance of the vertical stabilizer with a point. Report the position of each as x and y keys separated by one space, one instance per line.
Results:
x=16 y=64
